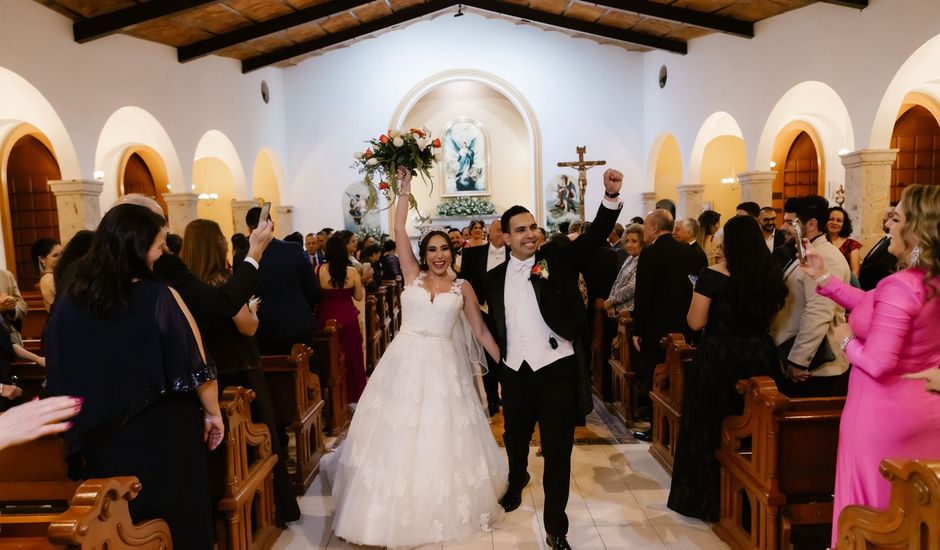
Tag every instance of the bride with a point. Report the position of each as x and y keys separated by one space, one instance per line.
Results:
x=420 y=464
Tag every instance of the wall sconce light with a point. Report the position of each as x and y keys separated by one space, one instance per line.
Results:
x=99 y=175
x=773 y=165
x=842 y=152
x=840 y=195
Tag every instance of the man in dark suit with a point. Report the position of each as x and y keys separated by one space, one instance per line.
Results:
x=314 y=251
x=879 y=263
x=768 y=225
x=477 y=262
x=539 y=319
x=288 y=291
x=663 y=294
x=687 y=231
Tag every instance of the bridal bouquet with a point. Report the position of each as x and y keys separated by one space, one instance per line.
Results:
x=414 y=149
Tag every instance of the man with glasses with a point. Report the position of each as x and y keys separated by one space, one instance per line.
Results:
x=768 y=224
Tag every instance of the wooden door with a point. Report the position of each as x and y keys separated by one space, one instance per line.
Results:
x=917 y=138
x=32 y=206
x=800 y=175
x=139 y=179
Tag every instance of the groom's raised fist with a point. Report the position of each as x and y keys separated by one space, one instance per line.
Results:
x=613 y=181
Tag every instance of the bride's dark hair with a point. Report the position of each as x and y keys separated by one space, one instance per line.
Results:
x=423 y=248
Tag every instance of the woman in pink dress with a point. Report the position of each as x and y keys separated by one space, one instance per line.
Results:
x=892 y=332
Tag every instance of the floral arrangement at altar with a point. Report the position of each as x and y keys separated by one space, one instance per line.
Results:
x=369 y=231
x=414 y=149
x=465 y=206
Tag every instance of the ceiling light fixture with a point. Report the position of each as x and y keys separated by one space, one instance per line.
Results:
x=459 y=11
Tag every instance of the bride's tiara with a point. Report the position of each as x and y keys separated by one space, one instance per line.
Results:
x=428 y=229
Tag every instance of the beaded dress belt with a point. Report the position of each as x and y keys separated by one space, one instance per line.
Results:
x=425 y=334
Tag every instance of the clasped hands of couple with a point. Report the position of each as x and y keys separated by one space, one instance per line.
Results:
x=814 y=266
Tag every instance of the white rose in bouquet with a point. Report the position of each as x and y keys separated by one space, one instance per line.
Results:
x=358 y=155
x=372 y=162
x=393 y=133
x=422 y=142
x=398 y=141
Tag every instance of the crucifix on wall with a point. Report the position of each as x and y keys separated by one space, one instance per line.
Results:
x=582 y=167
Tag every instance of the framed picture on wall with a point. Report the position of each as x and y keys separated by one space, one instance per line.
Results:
x=466 y=158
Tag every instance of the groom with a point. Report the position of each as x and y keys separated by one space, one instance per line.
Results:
x=539 y=316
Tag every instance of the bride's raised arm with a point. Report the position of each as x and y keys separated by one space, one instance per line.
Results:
x=406 y=255
x=471 y=308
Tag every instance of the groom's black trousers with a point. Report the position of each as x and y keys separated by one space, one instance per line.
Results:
x=549 y=397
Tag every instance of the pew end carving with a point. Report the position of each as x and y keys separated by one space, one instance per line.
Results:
x=246 y=509
x=666 y=398
x=621 y=371
x=912 y=519
x=771 y=479
x=330 y=364
x=298 y=405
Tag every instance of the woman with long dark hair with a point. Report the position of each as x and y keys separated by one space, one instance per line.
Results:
x=341 y=284
x=231 y=344
x=45 y=255
x=77 y=247
x=839 y=232
x=733 y=304
x=127 y=345
x=708 y=222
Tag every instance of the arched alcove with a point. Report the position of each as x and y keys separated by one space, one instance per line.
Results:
x=28 y=204
x=218 y=178
x=142 y=171
x=664 y=167
x=25 y=111
x=131 y=130
x=723 y=158
x=266 y=177
x=800 y=168
x=916 y=136
x=521 y=108
x=815 y=108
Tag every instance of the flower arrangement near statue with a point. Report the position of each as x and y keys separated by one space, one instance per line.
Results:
x=465 y=206
x=414 y=149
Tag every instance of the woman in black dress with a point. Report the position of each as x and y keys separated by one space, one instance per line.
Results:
x=231 y=344
x=734 y=302
x=127 y=345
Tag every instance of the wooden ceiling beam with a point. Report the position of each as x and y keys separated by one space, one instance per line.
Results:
x=718 y=23
x=560 y=21
x=432 y=6
x=264 y=28
x=107 y=24
x=857 y=4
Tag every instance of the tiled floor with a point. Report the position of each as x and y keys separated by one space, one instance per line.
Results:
x=618 y=500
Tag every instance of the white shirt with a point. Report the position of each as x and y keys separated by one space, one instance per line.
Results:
x=769 y=241
x=527 y=334
x=495 y=256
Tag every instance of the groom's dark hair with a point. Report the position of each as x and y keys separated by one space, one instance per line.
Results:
x=508 y=215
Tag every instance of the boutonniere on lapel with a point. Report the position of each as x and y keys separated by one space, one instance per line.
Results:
x=539 y=271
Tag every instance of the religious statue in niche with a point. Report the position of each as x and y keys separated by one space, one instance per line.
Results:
x=561 y=202
x=466 y=159
x=355 y=214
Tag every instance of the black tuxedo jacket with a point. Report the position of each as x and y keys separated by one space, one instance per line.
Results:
x=663 y=288
x=205 y=300
x=700 y=254
x=558 y=295
x=779 y=239
x=878 y=264
x=473 y=268
x=289 y=291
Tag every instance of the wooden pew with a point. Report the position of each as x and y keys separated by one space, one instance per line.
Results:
x=373 y=334
x=30 y=378
x=778 y=466
x=298 y=404
x=912 y=519
x=381 y=311
x=599 y=355
x=392 y=294
x=621 y=371
x=246 y=510
x=330 y=365
x=35 y=321
x=666 y=398
x=40 y=507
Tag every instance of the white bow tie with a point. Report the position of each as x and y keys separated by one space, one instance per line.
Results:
x=521 y=266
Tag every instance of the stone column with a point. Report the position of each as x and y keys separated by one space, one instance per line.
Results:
x=649 y=202
x=690 y=201
x=757 y=186
x=868 y=190
x=283 y=220
x=78 y=204
x=182 y=208
x=239 y=209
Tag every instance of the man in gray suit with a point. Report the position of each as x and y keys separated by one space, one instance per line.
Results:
x=812 y=363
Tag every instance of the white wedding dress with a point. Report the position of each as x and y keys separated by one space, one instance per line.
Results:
x=419 y=464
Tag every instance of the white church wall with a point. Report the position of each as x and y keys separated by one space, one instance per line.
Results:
x=581 y=93
x=854 y=53
x=86 y=83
